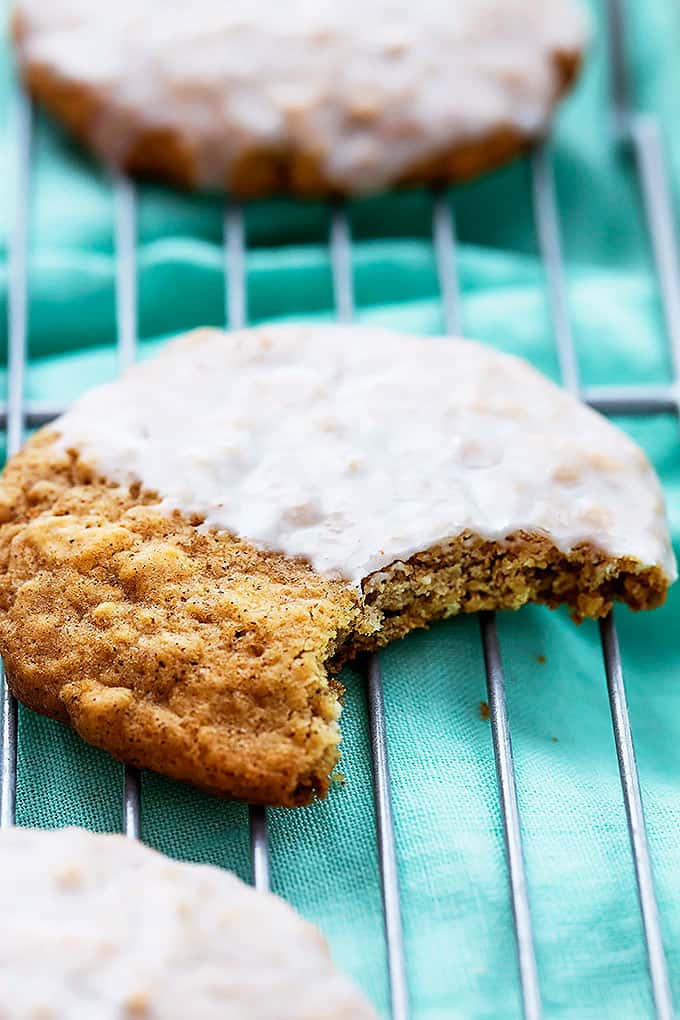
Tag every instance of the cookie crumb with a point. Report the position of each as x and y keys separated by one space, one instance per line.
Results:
x=484 y=709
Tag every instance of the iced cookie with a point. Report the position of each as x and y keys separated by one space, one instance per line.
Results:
x=96 y=927
x=190 y=552
x=338 y=96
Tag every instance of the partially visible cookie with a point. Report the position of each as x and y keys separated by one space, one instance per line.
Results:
x=315 y=98
x=189 y=552
x=99 y=927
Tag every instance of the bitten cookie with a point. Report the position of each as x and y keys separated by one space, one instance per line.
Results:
x=97 y=927
x=316 y=98
x=189 y=552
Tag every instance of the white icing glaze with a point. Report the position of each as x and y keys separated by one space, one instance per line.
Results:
x=369 y=89
x=356 y=447
x=101 y=928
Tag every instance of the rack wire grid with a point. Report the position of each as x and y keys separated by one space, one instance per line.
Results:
x=638 y=137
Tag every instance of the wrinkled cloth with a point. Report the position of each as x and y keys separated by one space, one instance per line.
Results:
x=456 y=909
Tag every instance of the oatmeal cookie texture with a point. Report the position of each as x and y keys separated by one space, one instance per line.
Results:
x=121 y=931
x=189 y=553
x=340 y=97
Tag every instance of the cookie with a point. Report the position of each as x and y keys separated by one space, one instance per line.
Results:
x=314 y=98
x=99 y=926
x=190 y=552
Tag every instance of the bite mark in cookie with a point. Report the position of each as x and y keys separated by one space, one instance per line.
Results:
x=314 y=99
x=189 y=553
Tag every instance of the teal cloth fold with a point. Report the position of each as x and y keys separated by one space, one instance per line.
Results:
x=457 y=919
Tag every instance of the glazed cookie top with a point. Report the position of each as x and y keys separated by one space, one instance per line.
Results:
x=366 y=90
x=97 y=927
x=355 y=447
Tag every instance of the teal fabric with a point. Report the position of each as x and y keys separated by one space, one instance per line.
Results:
x=459 y=941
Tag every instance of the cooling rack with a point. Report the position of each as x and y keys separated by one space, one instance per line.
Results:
x=638 y=138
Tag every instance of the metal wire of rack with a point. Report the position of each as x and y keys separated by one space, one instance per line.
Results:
x=637 y=135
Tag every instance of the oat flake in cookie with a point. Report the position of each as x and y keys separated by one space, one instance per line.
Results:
x=336 y=96
x=190 y=551
x=100 y=927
